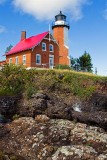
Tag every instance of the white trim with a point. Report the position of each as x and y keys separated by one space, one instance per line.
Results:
x=66 y=46
x=51 y=56
x=24 y=59
x=40 y=41
x=40 y=59
x=52 y=47
x=43 y=43
x=10 y=60
x=68 y=57
x=16 y=60
x=50 y=39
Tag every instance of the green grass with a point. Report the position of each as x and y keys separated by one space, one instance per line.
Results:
x=17 y=80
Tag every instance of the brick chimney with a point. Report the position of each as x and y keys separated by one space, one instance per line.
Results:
x=23 y=35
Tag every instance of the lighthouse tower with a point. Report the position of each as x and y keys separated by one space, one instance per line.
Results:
x=60 y=32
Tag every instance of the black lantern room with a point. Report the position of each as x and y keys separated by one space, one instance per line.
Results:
x=60 y=20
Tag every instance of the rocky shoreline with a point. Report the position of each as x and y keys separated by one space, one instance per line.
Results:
x=43 y=138
x=51 y=127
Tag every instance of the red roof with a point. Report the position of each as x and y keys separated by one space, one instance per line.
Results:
x=27 y=43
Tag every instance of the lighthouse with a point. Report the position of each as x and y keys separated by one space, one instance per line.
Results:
x=60 y=29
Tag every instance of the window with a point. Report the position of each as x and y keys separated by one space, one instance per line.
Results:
x=38 y=59
x=10 y=61
x=17 y=61
x=24 y=59
x=51 y=49
x=43 y=46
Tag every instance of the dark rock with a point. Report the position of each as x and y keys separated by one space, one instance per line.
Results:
x=3 y=131
x=61 y=76
x=40 y=96
x=2 y=119
x=58 y=110
x=33 y=106
x=8 y=106
x=41 y=105
x=26 y=111
x=98 y=102
x=7 y=156
x=96 y=118
x=55 y=139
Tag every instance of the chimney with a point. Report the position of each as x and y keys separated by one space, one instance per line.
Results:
x=23 y=35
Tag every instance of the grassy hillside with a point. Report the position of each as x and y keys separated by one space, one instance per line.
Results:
x=16 y=80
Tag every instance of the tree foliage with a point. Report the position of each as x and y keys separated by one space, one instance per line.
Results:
x=15 y=80
x=85 y=62
x=82 y=63
x=8 y=48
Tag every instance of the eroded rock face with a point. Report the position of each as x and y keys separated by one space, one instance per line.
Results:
x=34 y=106
x=8 y=106
x=93 y=112
x=49 y=139
x=97 y=102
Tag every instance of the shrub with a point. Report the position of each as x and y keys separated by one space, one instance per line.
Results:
x=12 y=79
x=60 y=66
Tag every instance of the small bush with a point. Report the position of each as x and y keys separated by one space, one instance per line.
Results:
x=60 y=66
x=16 y=80
x=29 y=91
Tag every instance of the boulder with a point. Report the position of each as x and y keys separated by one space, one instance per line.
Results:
x=8 y=106
x=55 y=139
x=58 y=110
x=95 y=119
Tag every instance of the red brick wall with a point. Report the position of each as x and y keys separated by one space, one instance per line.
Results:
x=20 y=58
x=45 y=54
x=58 y=33
x=31 y=55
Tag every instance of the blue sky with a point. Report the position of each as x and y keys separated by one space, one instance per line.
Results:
x=87 y=19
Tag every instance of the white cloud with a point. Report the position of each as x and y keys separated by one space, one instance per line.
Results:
x=47 y=9
x=2 y=29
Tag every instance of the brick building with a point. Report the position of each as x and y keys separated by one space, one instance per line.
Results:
x=43 y=50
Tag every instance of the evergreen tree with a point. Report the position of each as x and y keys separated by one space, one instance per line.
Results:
x=85 y=62
x=8 y=48
x=75 y=64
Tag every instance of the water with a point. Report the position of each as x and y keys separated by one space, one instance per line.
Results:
x=77 y=107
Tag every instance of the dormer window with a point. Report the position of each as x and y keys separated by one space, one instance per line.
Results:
x=51 y=48
x=43 y=46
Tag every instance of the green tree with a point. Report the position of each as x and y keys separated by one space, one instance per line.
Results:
x=75 y=64
x=85 y=62
x=8 y=48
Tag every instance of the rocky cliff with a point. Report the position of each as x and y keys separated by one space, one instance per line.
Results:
x=52 y=115
x=51 y=127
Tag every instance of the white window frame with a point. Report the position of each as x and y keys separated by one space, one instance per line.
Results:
x=51 y=66
x=43 y=46
x=17 y=60
x=24 y=59
x=51 y=45
x=10 y=60
x=38 y=63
